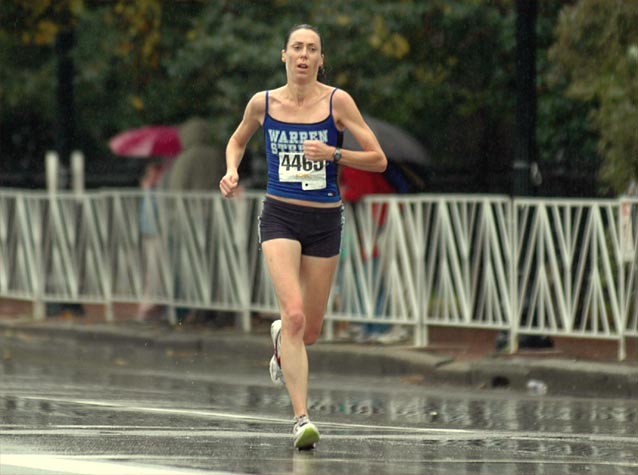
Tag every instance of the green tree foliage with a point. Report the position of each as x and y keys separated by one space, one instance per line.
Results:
x=26 y=92
x=564 y=137
x=596 y=51
x=28 y=33
x=38 y=21
x=442 y=69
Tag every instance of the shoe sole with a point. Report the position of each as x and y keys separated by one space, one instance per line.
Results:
x=308 y=439
x=274 y=370
x=273 y=332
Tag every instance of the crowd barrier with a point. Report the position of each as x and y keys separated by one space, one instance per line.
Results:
x=527 y=266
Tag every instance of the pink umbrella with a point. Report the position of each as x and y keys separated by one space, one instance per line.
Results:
x=148 y=141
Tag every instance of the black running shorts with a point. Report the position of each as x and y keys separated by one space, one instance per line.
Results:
x=318 y=230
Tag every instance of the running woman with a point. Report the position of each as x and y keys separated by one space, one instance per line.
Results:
x=301 y=221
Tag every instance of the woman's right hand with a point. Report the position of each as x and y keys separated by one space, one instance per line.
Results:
x=229 y=184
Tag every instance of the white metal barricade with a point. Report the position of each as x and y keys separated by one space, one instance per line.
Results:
x=532 y=266
x=575 y=269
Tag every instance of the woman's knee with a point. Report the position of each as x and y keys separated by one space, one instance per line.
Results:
x=294 y=323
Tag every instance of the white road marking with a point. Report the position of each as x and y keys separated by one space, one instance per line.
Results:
x=408 y=431
x=79 y=465
x=93 y=465
x=115 y=464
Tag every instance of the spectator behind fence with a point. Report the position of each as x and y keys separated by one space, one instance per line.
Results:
x=354 y=185
x=151 y=241
x=198 y=167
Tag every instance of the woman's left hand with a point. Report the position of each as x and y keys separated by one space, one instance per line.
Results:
x=317 y=150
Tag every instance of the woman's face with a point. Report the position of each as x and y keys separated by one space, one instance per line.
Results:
x=303 y=55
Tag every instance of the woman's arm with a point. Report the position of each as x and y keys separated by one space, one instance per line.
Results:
x=347 y=116
x=236 y=147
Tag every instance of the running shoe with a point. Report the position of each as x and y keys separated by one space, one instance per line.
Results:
x=276 y=374
x=305 y=434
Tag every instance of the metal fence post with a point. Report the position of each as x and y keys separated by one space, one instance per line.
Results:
x=513 y=317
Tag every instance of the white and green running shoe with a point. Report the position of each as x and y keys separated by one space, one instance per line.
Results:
x=276 y=374
x=305 y=434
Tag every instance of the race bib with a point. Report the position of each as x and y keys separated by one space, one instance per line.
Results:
x=293 y=167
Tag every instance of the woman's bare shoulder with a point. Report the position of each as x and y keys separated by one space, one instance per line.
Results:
x=344 y=109
x=257 y=104
x=341 y=97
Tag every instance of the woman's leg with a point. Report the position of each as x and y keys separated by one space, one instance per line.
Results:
x=317 y=276
x=302 y=285
x=283 y=258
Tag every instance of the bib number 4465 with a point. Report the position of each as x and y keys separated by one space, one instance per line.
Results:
x=294 y=167
x=299 y=163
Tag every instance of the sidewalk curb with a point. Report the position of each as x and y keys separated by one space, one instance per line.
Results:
x=561 y=376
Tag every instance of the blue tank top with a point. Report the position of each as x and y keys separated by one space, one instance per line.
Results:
x=290 y=175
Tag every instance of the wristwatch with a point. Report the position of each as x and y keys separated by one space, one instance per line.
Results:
x=337 y=155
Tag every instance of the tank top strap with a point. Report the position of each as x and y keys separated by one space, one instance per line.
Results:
x=267 y=103
x=331 y=96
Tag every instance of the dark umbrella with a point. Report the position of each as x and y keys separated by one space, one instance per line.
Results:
x=398 y=145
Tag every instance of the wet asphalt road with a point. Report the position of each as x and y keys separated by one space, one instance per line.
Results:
x=93 y=408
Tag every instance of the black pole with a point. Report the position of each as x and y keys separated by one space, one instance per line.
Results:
x=525 y=155
x=65 y=131
x=65 y=120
